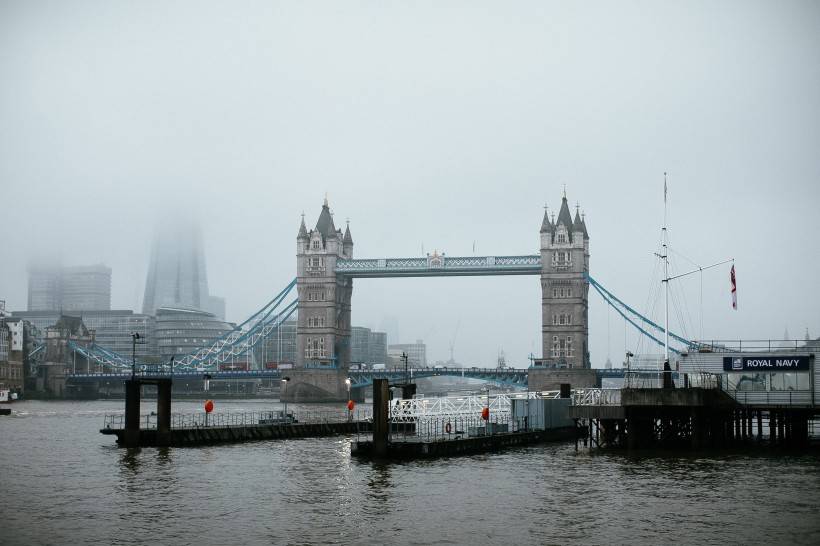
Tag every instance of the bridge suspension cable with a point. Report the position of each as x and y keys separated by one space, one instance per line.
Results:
x=237 y=342
x=643 y=324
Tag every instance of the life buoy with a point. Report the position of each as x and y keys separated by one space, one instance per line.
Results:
x=447 y=427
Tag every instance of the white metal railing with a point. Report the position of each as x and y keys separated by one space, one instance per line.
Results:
x=418 y=408
x=452 y=427
x=596 y=397
x=772 y=398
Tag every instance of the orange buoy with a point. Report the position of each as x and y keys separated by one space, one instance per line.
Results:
x=485 y=413
x=447 y=428
x=209 y=406
x=350 y=405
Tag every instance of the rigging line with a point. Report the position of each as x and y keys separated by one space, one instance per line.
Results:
x=684 y=257
x=682 y=310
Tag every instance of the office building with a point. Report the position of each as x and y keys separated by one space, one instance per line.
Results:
x=52 y=287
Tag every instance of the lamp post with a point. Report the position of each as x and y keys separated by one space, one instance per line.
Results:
x=134 y=337
x=349 y=401
x=285 y=387
x=628 y=381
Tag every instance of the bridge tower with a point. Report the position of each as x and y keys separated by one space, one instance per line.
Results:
x=323 y=327
x=564 y=291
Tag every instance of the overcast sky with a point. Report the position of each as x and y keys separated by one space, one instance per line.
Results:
x=430 y=126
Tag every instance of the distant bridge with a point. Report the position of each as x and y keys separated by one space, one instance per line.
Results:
x=358 y=378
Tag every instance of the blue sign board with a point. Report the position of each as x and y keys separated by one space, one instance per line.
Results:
x=766 y=363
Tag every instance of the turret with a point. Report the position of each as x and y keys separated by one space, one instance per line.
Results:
x=347 y=243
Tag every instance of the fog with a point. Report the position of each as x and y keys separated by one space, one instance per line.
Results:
x=429 y=126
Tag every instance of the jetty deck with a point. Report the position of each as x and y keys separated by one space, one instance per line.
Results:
x=222 y=434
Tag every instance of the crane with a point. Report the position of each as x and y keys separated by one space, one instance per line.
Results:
x=452 y=361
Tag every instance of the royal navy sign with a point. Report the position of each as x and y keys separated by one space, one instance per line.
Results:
x=766 y=363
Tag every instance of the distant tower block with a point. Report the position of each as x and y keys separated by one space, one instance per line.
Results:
x=564 y=290
x=323 y=328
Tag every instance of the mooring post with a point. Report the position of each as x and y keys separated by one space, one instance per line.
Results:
x=131 y=437
x=380 y=398
x=164 y=412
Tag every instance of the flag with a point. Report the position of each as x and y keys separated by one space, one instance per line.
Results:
x=734 y=288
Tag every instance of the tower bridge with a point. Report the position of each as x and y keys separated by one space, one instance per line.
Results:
x=324 y=282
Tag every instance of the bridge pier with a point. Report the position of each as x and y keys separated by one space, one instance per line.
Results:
x=550 y=379
x=315 y=385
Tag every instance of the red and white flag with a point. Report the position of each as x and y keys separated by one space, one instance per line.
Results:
x=734 y=288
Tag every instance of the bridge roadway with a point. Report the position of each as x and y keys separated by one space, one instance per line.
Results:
x=359 y=378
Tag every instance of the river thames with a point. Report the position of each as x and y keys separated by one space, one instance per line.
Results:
x=65 y=483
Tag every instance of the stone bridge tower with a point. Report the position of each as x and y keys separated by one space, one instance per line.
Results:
x=323 y=327
x=564 y=290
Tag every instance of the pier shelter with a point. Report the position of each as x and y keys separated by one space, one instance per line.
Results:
x=722 y=397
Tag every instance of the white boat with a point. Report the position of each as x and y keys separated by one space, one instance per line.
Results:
x=7 y=396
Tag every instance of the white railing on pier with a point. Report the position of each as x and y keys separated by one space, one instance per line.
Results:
x=417 y=408
x=596 y=397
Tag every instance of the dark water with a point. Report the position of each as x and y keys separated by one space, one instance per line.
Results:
x=65 y=483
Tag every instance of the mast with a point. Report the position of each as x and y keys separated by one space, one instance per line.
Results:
x=666 y=281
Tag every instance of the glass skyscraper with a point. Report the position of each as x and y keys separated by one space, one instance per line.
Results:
x=176 y=272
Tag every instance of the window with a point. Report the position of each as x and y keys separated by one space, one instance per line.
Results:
x=316 y=245
x=562 y=238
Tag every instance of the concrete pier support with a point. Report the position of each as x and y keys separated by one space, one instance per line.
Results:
x=132 y=413
x=131 y=433
x=315 y=385
x=381 y=395
x=164 y=412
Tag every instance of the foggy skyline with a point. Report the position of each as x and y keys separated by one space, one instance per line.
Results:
x=430 y=126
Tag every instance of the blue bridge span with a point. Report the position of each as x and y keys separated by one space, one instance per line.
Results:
x=358 y=378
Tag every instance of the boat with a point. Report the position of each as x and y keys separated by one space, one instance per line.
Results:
x=7 y=396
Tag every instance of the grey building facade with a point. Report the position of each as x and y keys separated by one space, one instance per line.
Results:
x=368 y=347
